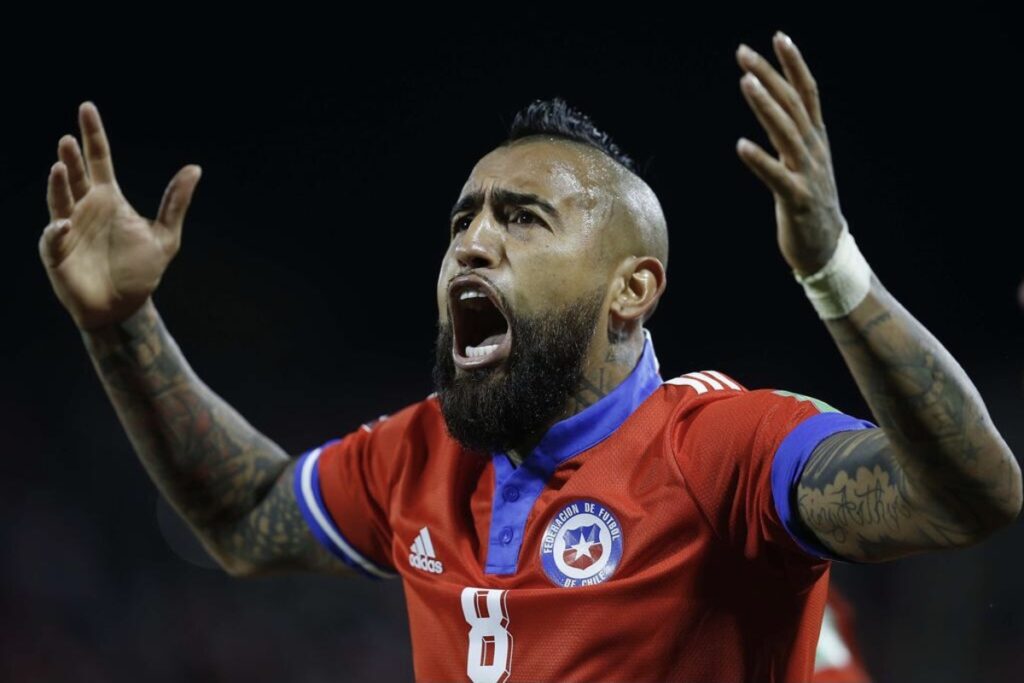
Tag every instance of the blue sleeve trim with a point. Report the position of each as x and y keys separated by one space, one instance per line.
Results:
x=788 y=465
x=318 y=517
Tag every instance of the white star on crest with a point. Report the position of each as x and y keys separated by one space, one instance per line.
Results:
x=582 y=548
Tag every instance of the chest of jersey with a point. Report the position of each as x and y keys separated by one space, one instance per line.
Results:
x=604 y=574
x=640 y=540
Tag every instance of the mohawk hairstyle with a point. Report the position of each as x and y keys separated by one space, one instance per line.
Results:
x=555 y=117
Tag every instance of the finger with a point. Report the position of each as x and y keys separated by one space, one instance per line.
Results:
x=68 y=152
x=54 y=241
x=780 y=128
x=97 y=149
x=799 y=75
x=177 y=198
x=58 y=193
x=772 y=172
x=779 y=88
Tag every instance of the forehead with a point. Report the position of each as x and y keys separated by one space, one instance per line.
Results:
x=560 y=171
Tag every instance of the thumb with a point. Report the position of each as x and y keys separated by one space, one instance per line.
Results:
x=177 y=198
x=54 y=241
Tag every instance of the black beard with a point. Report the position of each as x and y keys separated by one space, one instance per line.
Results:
x=495 y=409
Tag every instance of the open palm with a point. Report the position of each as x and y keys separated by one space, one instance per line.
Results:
x=103 y=259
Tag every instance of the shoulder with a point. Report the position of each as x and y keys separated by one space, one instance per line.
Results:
x=706 y=382
x=706 y=393
x=687 y=394
x=406 y=431
x=380 y=450
x=696 y=392
x=390 y=439
x=419 y=415
x=735 y=417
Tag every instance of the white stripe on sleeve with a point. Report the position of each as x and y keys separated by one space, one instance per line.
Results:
x=715 y=384
x=725 y=380
x=325 y=524
x=695 y=384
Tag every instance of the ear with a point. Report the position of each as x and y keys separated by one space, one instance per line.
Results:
x=639 y=282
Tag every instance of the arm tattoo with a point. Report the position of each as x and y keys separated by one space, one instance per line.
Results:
x=937 y=473
x=225 y=478
x=274 y=537
x=857 y=499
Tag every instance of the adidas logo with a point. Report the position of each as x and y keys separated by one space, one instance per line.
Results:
x=422 y=554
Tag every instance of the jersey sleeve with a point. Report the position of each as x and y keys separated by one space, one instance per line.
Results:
x=342 y=489
x=741 y=458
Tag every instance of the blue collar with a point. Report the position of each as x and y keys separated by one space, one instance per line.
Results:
x=517 y=489
x=595 y=423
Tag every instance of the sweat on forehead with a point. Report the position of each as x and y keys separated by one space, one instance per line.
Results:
x=575 y=176
x=560 y=171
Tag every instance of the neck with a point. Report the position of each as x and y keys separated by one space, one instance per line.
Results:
x=609 y=362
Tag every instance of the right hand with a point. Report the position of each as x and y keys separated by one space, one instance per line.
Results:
x=103 y=259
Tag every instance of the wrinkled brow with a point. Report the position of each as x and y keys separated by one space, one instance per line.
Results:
x=502 y=197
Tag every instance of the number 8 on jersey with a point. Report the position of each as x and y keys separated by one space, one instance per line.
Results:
x=490 y=644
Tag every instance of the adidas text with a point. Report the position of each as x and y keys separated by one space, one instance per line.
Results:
x=425 y=563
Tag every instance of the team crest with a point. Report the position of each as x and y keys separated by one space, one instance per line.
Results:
x=582 y=545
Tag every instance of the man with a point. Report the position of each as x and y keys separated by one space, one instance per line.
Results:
x=557 y=511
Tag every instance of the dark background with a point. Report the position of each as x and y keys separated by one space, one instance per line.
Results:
x=304 y=293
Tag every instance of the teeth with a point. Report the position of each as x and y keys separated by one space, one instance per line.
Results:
x=471 y=294
x=478 y=351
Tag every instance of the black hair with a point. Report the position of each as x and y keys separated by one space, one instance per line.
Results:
x=556 y=118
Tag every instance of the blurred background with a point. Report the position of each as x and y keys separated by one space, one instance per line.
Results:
x=304 y=293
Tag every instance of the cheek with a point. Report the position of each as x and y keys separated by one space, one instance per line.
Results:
x=442 y=302
x=442 y=307
x=447 y=272
x=557 y=274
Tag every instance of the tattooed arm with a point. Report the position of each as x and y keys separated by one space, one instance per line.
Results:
x=104 y=260
x=936 y=474
x=232 y=484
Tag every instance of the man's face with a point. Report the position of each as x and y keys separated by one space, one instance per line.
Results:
x=522 y=290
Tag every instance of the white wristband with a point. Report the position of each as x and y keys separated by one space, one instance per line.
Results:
x=842 y=283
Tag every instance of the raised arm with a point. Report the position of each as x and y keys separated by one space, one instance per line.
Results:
x=228 y=481
x=937 y=473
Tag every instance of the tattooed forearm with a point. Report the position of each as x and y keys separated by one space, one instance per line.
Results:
x=209 y=462
x=218 y=472
x=937 y=473
x=274 y=536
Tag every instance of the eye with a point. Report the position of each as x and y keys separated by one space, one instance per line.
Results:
x=524 y=217
x=461 y=223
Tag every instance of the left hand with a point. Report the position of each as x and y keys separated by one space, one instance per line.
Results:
x=801 y=179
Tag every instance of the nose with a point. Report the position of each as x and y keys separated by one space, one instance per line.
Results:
x=479 y=245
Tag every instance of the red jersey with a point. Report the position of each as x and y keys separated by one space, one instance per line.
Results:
x=650 y=537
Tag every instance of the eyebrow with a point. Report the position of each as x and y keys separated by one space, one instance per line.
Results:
x=502 y=197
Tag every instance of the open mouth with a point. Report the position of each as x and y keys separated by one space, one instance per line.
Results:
x=481 y=331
